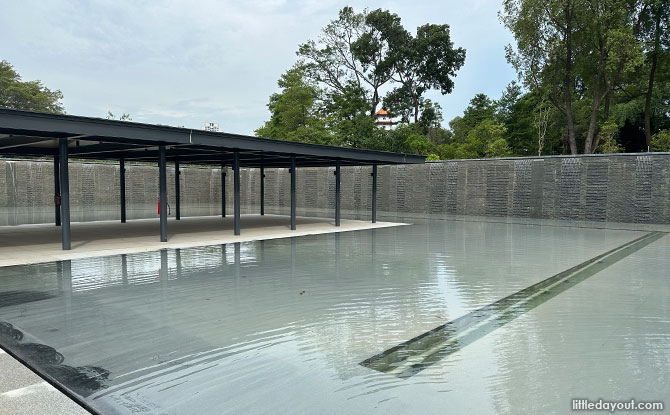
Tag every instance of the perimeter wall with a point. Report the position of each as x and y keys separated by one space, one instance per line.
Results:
x=615 y=188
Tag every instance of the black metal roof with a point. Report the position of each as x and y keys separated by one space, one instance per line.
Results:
x=24 y=133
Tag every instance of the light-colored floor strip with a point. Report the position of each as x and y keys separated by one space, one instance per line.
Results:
x=26 y=244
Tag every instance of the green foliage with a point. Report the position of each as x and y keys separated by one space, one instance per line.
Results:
x=594 y=77
x=373 y=49
x=661 y=141
x=294 y=111
x=432 y=157
x=498 y=148
x=122 y=117
x=419 y=143
x=590 y=59
x=332 y=94
x=608 y=134
x=27 y=95
x=481 y=108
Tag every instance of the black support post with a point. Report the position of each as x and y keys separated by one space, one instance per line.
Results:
x=57 y=190
x=122 y=188
x=162 y=184
x=337 y=193
x=236 y=189
x=177 y=193
x=293 y=200
x=223 y=191
x=65 y=195
x=262 y=191
x=374 y=193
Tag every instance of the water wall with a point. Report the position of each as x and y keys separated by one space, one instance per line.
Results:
x=613 y=188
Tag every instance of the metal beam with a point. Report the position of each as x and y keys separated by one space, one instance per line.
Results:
x=107 y=148
x=113 y=131
x=337 y=193
x=57 y=196
x=162 y=183
x=65 y=195
x=293 y=200
x=262 y=191
x=236 y=189
x=223 y=191
x=374 y=193
x=122 y=188
x=19 y=141
x=177 y=192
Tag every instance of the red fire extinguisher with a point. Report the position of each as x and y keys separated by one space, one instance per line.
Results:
x=57 y=200
x=159 y=207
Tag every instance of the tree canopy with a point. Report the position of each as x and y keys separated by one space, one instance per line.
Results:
x=594 y=77
x=27 y=95
x=360 y=60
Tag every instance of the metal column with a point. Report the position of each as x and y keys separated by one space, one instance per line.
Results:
x=65 y=195
x=337 y=193
x=122 y=188
x=177 y=174
x=262 y=191
x=57 y=190
x=236 y=189
x=223 y=191
x=293 y=201
x=374 y=193
x=162 y=184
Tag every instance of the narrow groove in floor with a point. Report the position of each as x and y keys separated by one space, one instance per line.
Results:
x=413 y=356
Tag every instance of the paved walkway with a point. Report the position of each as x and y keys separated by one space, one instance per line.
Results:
x=24 y=393
x=27 y=244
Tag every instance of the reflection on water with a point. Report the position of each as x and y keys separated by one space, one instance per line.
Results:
x=281 y=325
x=411 y=357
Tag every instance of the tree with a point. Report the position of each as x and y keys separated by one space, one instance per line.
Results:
x=427 y=61
x=544 y=57
x=661 y=141
x=377 y=50
x=27 y=95
x=346 y=115
x=122 y=117
x=294 y=111
x=373 y=49
x=481 y=108
x=654 y=31
x=574 y=51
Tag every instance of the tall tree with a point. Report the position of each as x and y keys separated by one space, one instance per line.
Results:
x=293 y=111
x=608 y=51
x=372 y=49
x=348 y=50
x=426 y=61
x=653 y=29
x=27 y=95
x=545 y=32
x=574 y=50
x=377 y=50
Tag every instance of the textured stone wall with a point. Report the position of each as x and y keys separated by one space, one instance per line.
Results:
x=615 y=188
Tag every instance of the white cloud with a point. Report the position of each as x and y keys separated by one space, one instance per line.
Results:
x=187 y=62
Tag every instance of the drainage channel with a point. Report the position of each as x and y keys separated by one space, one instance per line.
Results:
x=411 y=357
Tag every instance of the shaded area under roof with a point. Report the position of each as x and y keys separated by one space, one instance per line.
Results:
x=24 y=133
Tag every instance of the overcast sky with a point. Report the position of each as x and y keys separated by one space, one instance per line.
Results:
x=190 y=62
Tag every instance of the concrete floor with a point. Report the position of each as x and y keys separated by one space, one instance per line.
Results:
x=23 y=392
x=26 y=244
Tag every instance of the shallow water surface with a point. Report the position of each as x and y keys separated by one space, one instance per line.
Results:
x=282 y=326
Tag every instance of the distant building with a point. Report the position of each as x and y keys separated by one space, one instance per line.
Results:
x=211 y=126
x=383 y=120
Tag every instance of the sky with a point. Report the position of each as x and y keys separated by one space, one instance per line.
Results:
x=185 y=63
